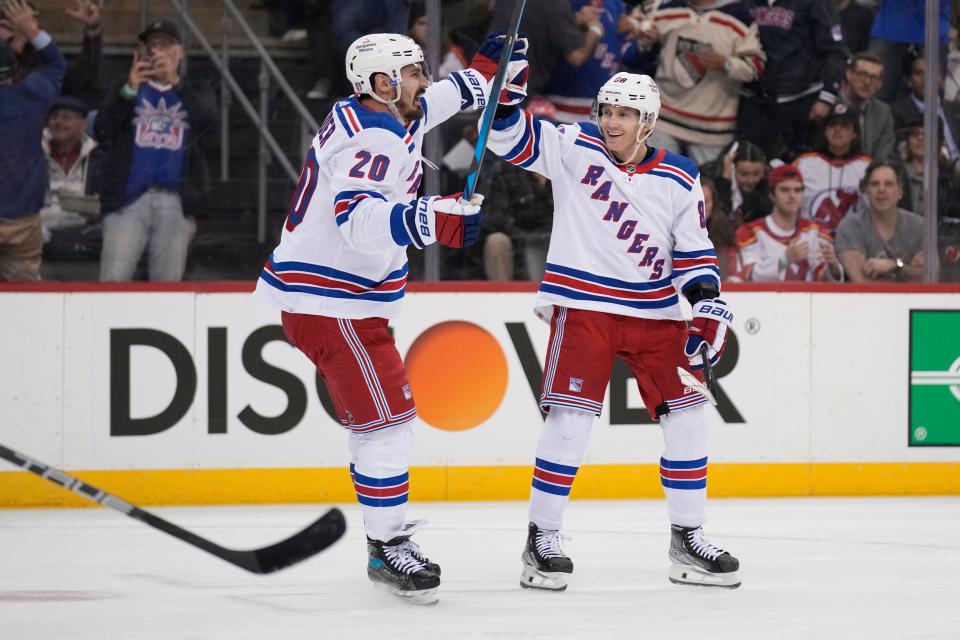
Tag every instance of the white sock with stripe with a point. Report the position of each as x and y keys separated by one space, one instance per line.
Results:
x=560 y=450
x=683 y=467
x=380 y=468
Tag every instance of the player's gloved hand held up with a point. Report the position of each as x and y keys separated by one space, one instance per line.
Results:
x=488 y=56
x=448 y=220
x=711 y=318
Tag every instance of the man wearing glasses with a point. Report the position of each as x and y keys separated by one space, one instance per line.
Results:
x=864 y=77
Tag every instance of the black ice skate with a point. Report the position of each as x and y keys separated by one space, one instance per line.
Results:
x=399 y=566
x=696 y=561
x=545 y=563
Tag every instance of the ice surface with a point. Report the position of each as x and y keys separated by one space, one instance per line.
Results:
x=811 y=568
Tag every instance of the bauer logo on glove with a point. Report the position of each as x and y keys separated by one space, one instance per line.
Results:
x=711 y=318
x=447 y=220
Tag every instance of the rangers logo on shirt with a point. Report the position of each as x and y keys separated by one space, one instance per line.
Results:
x=576 y=384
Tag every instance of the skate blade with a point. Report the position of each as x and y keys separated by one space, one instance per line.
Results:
x=686 y=574
x=532 y=578
x=424 y=597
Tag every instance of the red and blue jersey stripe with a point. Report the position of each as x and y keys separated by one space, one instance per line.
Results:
x=345 y=202
x=554 y=478
x=577 y=284
x=380 y=492
x=683 y=474
x=314 y=279
x=696 y=266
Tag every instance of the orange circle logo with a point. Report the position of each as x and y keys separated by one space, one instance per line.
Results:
x=458 y=373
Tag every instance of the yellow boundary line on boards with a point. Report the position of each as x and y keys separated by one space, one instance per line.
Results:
x=266 y=486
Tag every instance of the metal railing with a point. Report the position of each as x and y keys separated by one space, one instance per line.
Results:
x=230 y=90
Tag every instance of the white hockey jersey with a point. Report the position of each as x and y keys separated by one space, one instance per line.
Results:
x=762 y=243
x=343 y=250
x=831 y=186
x=627 y=238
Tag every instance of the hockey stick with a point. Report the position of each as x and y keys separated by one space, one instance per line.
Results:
x=300 y=546
x=491 y=109
x=708 y=375
x=690 y=380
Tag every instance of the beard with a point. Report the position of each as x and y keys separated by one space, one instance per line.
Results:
x=412 y=111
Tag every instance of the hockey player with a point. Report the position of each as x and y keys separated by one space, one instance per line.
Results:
x=340 y=271
x=629 y=238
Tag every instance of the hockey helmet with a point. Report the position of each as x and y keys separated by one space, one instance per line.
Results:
x=635 y=91
x=385 y=53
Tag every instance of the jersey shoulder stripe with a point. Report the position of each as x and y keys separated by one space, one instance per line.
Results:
x=354 y=117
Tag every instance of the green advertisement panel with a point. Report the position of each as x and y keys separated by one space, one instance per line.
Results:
x=934 y=378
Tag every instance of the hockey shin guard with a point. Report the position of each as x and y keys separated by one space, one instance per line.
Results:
x=380 y=466
x=562 y=445
x=683 y=467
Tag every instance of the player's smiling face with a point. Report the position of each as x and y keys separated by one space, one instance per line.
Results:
x=620 y=126
x=413 y=82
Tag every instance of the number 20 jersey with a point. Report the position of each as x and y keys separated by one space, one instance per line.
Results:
x=343 y=252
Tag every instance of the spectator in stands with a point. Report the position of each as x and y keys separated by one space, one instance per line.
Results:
x=740 y=179
x=83 y=74
x=864 y=75
x=23 y=171
x=856 y=20
x=706 y=51
x=573 y=87
x=897 y=27
x=72 y=200
x=520 y=213
x=720 y=229
x=452 y=58
x=556 y=34
x=948 y=175
x=832 y=173
x=908 y=109
x=783 y=246
x=152 y=125
x=881 y=241
x=806 y=56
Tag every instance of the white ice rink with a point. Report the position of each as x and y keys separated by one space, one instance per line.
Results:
x=811 y=568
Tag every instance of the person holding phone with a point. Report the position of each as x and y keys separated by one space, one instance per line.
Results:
x=153 y=125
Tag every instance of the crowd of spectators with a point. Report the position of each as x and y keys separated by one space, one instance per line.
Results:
x=805 y=117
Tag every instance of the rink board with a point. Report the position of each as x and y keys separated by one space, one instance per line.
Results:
x=189 y=395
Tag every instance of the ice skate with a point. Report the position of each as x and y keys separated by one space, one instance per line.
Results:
x=545 y=563
x=695 y=561
x=400 y=567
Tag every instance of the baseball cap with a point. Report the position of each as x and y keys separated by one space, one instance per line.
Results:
x=70 y=103
x=161 y=26
x=781 y=173
x=841 y=112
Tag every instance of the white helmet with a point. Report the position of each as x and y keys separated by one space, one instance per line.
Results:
x=632 y=90
x=380 y=53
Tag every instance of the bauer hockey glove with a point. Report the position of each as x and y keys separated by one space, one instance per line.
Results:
x=449 y=220
x=711 y=319
x=488 y=55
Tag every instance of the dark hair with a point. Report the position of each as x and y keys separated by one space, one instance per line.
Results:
x=879 y=164
x=865 y=56
x=749 y=152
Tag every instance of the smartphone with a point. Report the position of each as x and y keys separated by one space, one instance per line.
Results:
x=144 y=55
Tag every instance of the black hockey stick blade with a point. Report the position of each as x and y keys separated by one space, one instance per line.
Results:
x=708 y=375
x=300 y=546
x=491 y=109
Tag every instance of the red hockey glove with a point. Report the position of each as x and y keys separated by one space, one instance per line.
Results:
x=449 y=220
x=711 y=318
